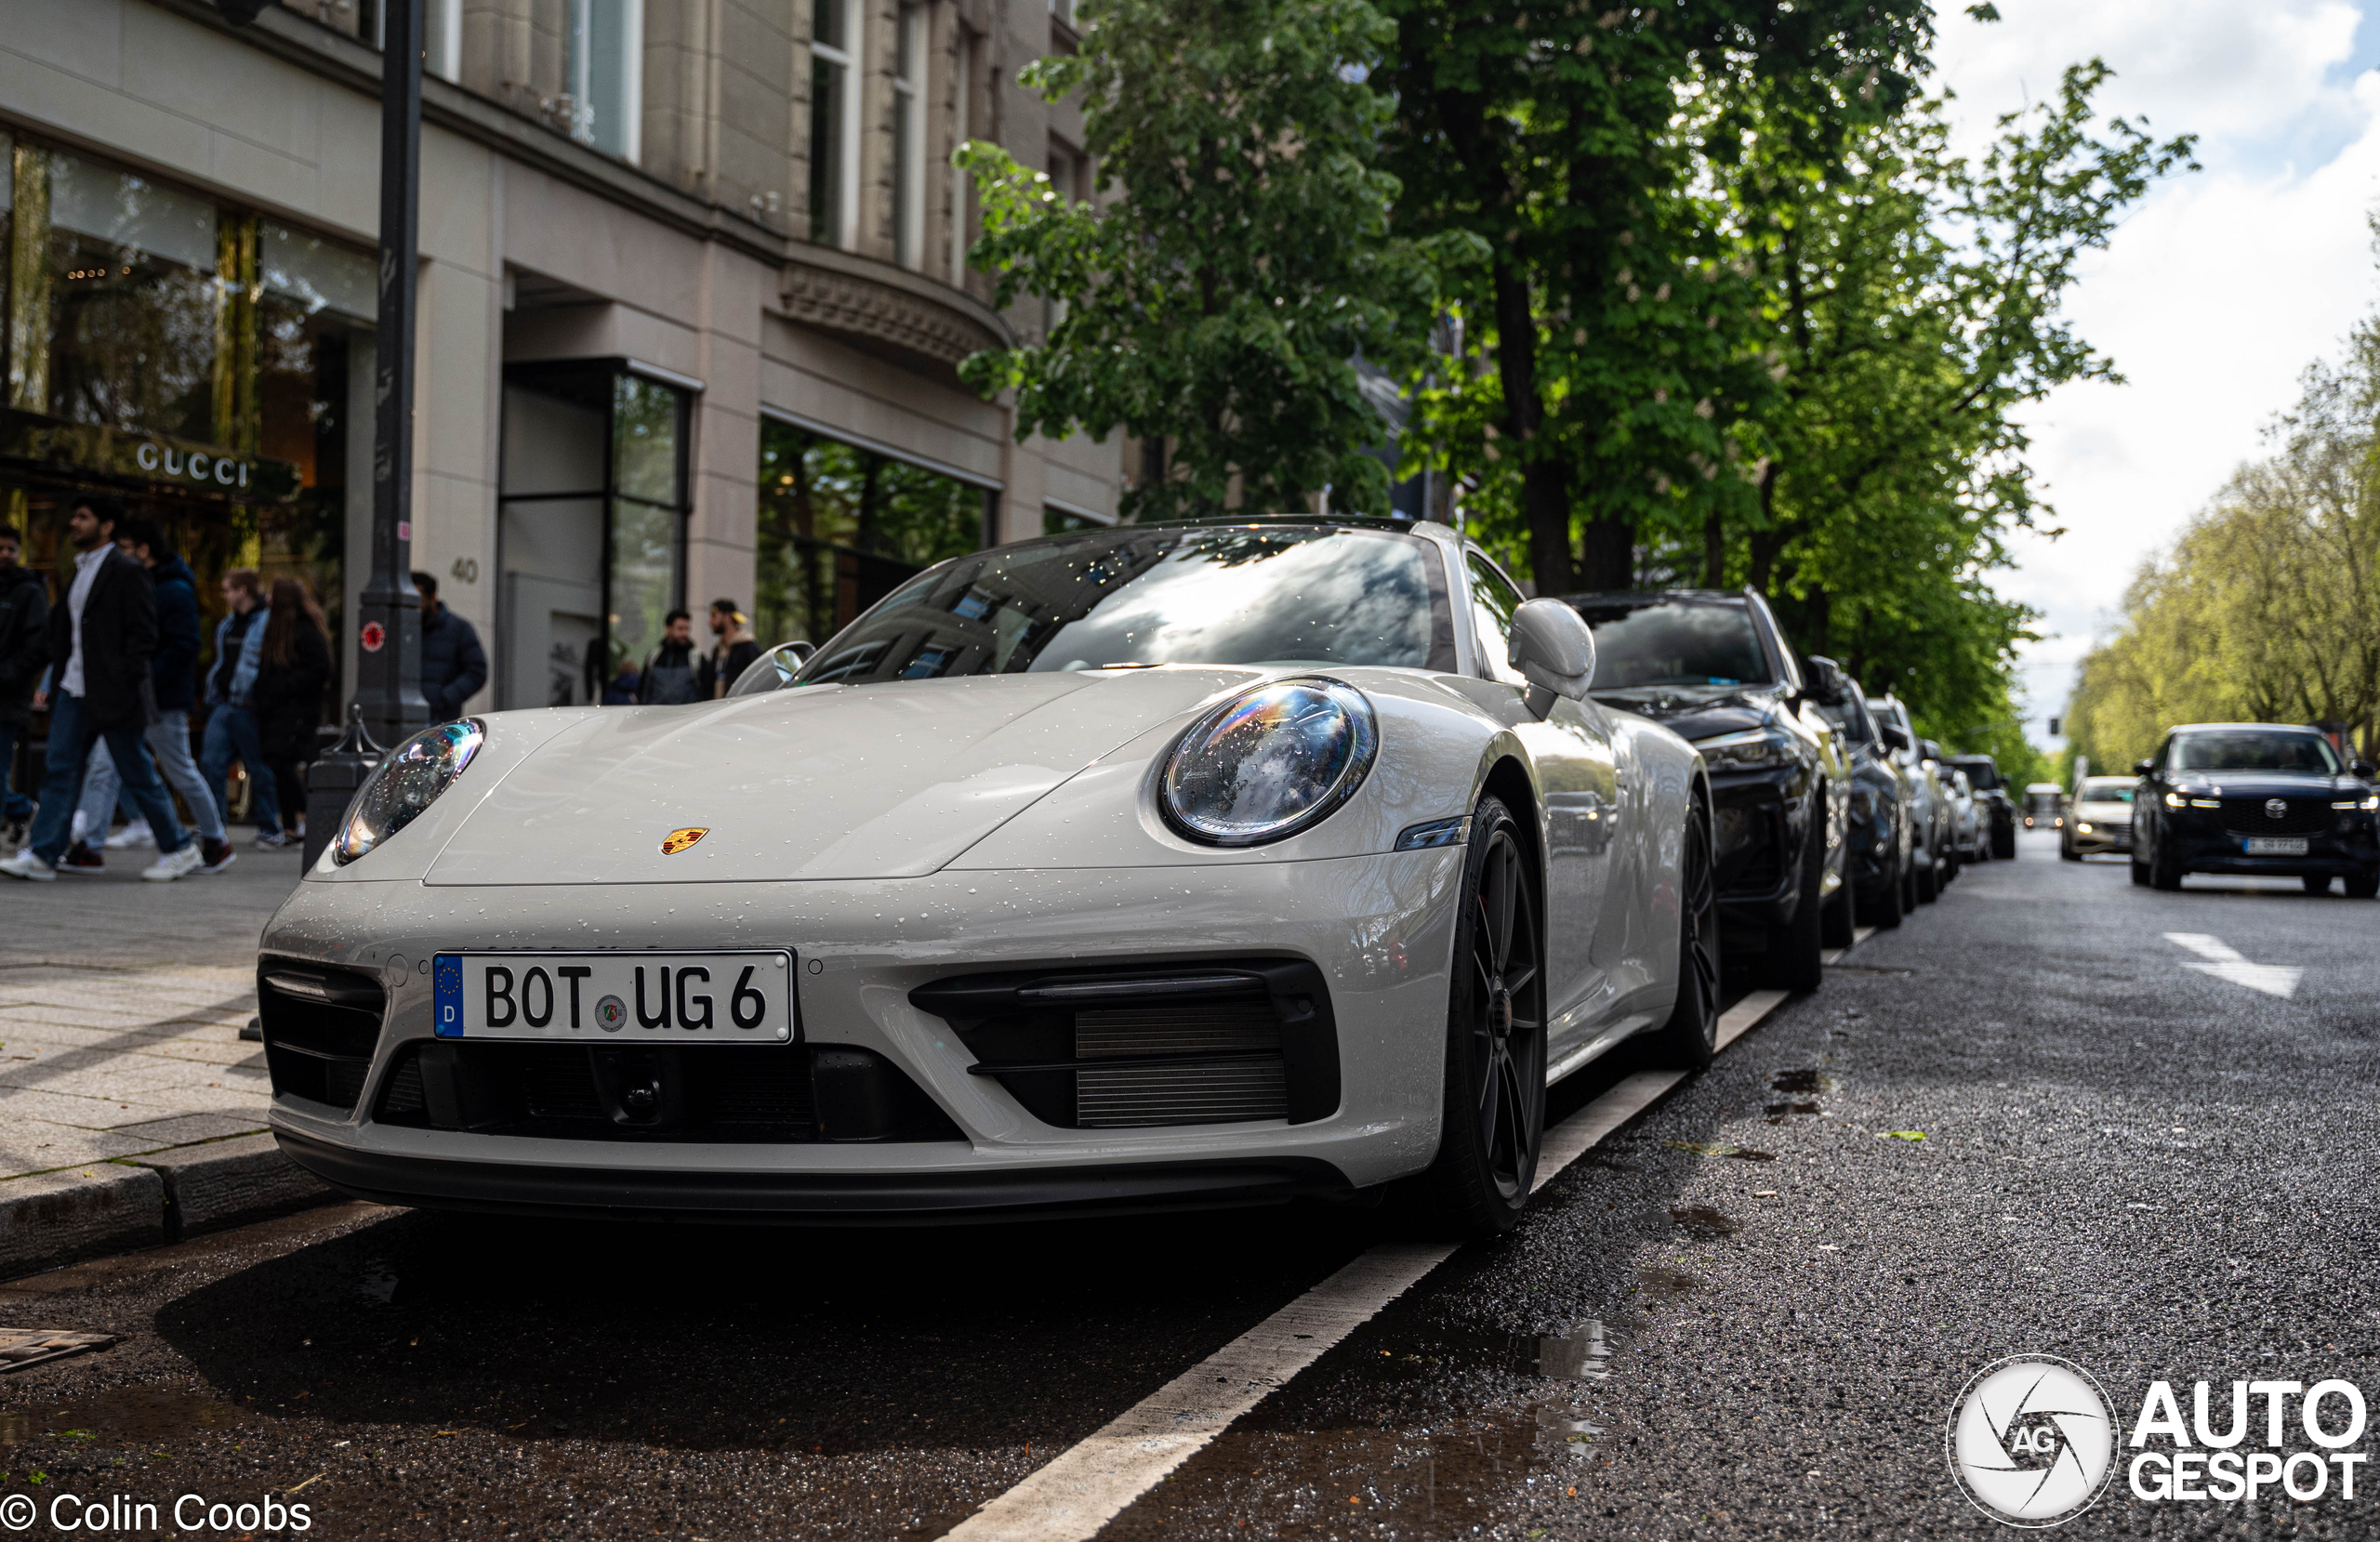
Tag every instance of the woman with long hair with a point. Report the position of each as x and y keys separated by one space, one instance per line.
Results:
x=287 y=698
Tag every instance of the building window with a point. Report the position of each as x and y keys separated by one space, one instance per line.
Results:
x=603 y=74
x=590 y=527
x=442 y=39
x=834 y=122
x=962 y=129
x=842 y=527
x=909 y=140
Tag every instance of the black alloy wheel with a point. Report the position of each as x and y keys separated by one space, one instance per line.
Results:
x=1493 y=1114
x=1691 y=1036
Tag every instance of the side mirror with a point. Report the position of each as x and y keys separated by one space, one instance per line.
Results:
x=1828 y=684
x=2143 y=768
x=2362 y=769
x=1895 y=736
x=1553 y=650
x=773 y=670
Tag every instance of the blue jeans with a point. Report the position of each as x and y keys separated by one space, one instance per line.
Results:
x=168 y=741
x=13 y=804
x=231 y=735
x=70 y=746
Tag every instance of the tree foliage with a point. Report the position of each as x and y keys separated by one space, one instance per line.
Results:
x=2267 y=608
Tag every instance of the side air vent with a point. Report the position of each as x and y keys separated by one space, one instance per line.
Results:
x=1216 y=1042
x=321 y=1025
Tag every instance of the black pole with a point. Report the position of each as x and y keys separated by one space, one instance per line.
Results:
x=389 y=660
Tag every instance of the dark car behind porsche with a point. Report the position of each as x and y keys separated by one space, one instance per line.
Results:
x=2255 y=798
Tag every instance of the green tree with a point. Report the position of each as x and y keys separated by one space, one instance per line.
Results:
x=1240 y=259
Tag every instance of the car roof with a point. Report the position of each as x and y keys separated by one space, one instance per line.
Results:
x=1656 y=597
x=2234 y=728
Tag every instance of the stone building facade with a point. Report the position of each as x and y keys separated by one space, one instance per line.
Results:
x=692 y=292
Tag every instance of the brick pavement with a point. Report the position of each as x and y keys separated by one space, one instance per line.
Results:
x=121 y=1004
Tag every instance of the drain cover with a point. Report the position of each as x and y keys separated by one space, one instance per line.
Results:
x=21 y=1346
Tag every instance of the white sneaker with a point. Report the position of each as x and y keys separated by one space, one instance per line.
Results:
x=24 y=864
x=135 y=833
x=175 y=864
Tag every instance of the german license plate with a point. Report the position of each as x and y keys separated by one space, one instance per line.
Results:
x=606 y=997
x=2276 y=846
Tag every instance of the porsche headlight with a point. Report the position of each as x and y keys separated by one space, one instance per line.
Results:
x=407 y=782
x=2176 y=800
x=1745 y=751
x=1270 y=762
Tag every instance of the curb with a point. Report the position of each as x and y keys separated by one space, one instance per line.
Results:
x=51 y=1219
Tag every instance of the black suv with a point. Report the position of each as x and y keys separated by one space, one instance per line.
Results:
x=1882 y=824
x=1992 y=794
x=1713 y=668
x=2254 y=798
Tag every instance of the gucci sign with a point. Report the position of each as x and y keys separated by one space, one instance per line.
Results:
x=91 y=451
x=222 y=471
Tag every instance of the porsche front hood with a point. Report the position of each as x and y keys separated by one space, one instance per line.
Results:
x=881 y=781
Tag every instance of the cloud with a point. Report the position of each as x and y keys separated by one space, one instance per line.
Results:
x=2215 y=294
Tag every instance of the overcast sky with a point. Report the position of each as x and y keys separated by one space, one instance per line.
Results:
x=2219 y=288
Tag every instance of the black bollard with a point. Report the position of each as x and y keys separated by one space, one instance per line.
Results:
x=333 y=782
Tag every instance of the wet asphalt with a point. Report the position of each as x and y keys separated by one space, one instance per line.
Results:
x=2149 y=1170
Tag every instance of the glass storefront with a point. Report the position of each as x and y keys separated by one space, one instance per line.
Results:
x=842 y=527
x=592 y=529
x=207 y=367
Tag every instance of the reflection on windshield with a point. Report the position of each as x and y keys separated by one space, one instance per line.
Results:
x=1675 y=642
x=2109 y=791
x=1223 y=595
x=2273 y=752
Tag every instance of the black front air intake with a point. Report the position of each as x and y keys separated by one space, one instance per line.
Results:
x=1211 y=1042
x=320 y=1026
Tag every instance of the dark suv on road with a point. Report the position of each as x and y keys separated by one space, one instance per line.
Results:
x=1713 y=667
x=2254 y=798
x=1991 y=796
x=1881 y=825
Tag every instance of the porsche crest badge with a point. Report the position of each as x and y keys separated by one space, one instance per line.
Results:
x=678 y=841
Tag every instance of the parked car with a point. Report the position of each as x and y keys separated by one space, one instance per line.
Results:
x=1969 y=839
x=1714 y=667
x=1954 y=854
x=2044 y=806
x=2101 y=818
x=1991 y=794
x=2254 y=798
x=1929 y=805
x=1166 y=864
x=1878 y=863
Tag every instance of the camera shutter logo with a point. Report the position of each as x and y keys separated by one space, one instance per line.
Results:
x=2032 y=1440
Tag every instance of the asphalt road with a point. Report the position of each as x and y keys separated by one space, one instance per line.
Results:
x=2154 y=1170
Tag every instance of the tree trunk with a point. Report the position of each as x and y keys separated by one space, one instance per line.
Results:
x=1714 y=551
x=1610 y=555
x=1545 y=493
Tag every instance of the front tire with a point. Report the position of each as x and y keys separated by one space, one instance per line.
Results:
x=1492 y=1114
x=1885 y=914
x=1929 y=878
x=1796 y=956
x=1691 y=1036
x=2139 y=871
x=2363 y=886
x=2163 y=871
x=2316 y=883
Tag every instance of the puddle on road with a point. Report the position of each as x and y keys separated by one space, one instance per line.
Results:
x=129 y=1416
x=1805 y=1079
x=1703 y=1223
x=1660 y=1285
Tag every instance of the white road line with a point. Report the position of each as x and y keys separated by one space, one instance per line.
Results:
x=1089 y=1485
x=2224 y=962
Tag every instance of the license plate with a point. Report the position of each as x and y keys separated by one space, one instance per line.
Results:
x=2276 y=846
x=606 y=997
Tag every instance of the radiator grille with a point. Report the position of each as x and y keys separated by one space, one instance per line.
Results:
x=321 y=1025
x=2307 y=816
x=1180 y=1094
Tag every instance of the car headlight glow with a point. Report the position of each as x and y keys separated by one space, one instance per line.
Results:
x=2082 y=826
x=1747 y=751
x=2176 y=800
x=1270 y=762
x=408 y=780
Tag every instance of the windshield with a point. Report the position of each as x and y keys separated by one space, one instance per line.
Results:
x=1982 y=774
x=2105 y=789
x=2252 y=751
x=1675 y=642
x=1850 y=718
x=1236 y=594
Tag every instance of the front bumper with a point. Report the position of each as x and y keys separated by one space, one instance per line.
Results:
x=1379 y=928
x=1761 y=822
x=2101 y=838
x=2333 y=854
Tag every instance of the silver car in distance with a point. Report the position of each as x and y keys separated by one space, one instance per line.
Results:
x=1158 y=866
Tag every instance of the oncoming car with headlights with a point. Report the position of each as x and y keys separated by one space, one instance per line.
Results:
x=1167 y=865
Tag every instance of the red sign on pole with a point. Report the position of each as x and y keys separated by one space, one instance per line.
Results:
x=374 y=635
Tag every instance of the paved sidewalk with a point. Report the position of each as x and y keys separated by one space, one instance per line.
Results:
x=121 y=1004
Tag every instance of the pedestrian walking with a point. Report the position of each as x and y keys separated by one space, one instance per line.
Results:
x=621 y=688
x=453 y=666
x=291 y=675
x=173 y=673
x=669 y=675
x=731 y=655
x=231 y=714
x=101 y=641
x=25 y=650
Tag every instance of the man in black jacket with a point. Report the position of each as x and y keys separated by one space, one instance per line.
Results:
x=101 y=636
x=453 y=664
x=24 y=648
